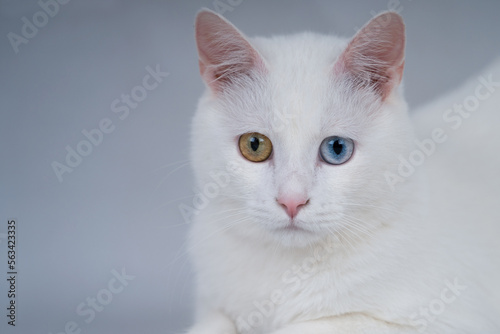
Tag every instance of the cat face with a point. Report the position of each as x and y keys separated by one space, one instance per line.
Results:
x=302 y=128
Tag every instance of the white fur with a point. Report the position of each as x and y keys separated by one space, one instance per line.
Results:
x=372 y=257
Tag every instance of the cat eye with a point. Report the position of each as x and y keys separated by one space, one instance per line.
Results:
x=336 y=150
x=255 y=146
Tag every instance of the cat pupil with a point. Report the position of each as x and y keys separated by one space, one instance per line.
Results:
x=337 y=147
x=254 y=143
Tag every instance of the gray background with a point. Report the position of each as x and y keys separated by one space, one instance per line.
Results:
x=119 y=208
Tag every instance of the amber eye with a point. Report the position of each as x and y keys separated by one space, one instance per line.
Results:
x=255 y=146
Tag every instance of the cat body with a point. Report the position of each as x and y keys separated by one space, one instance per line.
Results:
x=293 y=244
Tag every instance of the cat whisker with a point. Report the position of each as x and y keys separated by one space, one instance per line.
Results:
x=225 y=228
x=365 y=224
x=388 y=209
x=233 y=196
x=349 y=237
x=185 y=252
x=354 y=226
x=337 y=236
x=184 y=161
x=212 y=215
x=230 y=216
x=170 y=173
x=169 y=202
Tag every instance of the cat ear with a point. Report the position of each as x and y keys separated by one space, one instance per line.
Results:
x=224 y=53
x=374 y=58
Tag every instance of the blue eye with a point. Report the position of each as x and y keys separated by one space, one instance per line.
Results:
x=336 y=150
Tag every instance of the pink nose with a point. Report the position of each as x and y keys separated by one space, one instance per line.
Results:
x=292 y=204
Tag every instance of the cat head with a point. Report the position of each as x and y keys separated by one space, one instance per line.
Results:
x=298 y=130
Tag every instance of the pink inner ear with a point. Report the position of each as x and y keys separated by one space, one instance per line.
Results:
x=224 y=52
x=375 y=56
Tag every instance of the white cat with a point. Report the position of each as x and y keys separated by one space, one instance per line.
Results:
x=319 y=216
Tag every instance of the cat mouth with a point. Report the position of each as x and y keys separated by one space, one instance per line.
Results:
x=292 y=226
